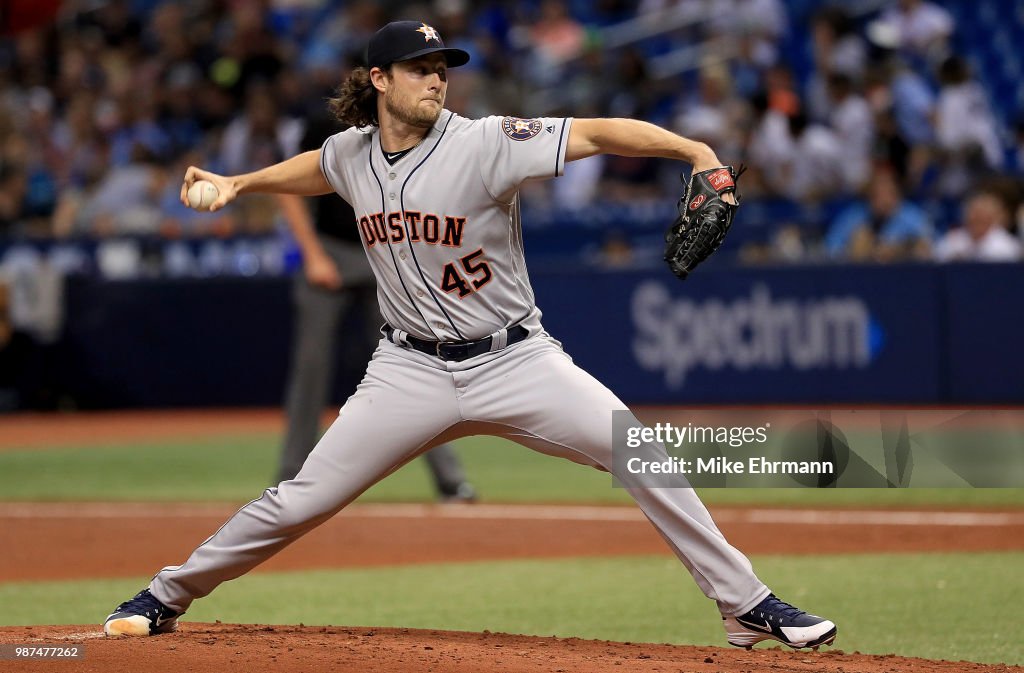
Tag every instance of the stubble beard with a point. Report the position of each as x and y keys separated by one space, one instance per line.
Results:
x=413 y=115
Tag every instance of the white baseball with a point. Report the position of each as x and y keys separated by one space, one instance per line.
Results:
x=202 y=194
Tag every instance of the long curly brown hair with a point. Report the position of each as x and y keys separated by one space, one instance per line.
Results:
x=355 y=101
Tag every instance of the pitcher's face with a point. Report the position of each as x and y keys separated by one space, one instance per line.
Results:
x=414 y=92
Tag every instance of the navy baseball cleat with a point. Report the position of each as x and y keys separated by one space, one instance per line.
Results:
x=773 y=619
x=143 y=615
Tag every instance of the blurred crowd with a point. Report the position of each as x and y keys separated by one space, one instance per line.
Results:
x=863 y=107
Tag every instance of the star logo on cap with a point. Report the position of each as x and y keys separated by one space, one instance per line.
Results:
x=428 y=33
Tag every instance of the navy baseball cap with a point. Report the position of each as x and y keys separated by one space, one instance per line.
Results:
x=404 y=40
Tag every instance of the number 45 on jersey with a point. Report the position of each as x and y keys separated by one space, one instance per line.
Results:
x=471 y=267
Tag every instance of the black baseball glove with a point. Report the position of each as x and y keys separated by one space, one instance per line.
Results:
x=704 y=219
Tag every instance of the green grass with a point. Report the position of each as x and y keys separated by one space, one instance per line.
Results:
x=226 y=468
x=237 y=468
x=948 y=606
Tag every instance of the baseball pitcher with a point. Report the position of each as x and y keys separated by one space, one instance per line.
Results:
x=464 y=351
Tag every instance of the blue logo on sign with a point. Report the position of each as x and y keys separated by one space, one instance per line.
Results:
x=876 y=337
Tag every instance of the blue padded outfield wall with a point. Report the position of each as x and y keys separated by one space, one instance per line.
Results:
x=788 y=335
x=841 y=334
x=179 y=343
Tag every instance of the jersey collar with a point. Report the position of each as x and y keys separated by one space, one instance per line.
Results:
x=436 y=130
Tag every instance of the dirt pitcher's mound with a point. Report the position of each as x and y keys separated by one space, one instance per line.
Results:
x=232 y=647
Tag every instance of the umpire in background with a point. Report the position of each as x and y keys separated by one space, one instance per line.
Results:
x=335 y=278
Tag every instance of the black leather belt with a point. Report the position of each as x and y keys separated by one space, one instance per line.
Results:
x=457 y=351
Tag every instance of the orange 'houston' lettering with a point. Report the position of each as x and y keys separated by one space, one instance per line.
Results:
x=430 y=228
x=453 y=231
x=412 y=218
x=395 y=225
x=367 y=229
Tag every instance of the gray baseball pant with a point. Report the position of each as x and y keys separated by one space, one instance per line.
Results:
x=530 y=392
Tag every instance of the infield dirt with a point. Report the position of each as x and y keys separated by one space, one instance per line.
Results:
x=209 y=648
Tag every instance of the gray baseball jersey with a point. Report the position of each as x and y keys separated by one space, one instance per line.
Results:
x=441 y=226
x=441 y=229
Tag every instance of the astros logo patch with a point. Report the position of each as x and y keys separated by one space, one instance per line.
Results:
x=520 y=129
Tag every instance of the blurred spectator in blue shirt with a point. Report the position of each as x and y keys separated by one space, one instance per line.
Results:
x=125 y=201
x=913 y=103
x=884 y=227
